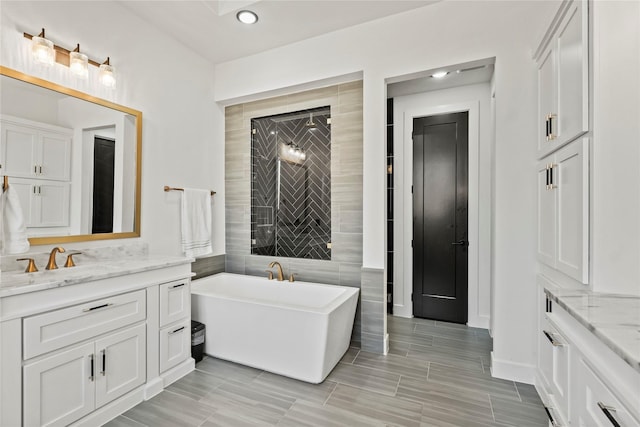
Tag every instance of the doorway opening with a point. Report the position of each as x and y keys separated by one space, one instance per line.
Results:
x=419 y=96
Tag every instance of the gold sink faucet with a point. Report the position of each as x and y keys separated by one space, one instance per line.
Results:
x=51 y=265
x=280 y=274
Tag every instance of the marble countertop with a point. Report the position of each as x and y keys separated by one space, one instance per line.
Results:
x=614 y=319
x=17 y=282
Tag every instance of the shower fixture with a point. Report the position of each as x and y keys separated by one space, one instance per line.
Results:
x=310 y=123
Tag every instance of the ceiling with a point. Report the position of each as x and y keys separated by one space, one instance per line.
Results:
x=210 y=28
x=467 y=73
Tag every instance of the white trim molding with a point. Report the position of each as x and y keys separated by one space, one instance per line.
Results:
x=479 y=242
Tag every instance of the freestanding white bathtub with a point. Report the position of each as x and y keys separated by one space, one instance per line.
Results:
x=299 y=330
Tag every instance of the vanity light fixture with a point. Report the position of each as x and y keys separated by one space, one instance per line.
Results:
x=42 y=49
x=79 y=63
x=45 y=52
x=439 y=74
x=107 y=74
x=247 y=17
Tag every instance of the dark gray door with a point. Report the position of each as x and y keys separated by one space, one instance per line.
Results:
x=440 y=217
x=103 y=174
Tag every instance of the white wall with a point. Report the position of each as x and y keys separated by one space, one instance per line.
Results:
x=615 y=173
x=476 y=100
x=170 y=84
x=427 y=38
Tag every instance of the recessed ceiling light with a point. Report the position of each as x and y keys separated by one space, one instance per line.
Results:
x=247 y=17
x=439 y=74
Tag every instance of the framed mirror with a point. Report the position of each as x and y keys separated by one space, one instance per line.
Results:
x=291 y=184
x=74 y=160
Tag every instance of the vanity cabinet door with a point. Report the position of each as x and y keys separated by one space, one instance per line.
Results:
x=175 y=302
x=175 y=344
x=30 y=152
x=596 y=404
x=51 y=205
x=55 y=156
x=59 y=389
x=120 y=363
x=19 y=146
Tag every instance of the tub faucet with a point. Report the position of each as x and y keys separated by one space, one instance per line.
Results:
x=51 y=265
x=280 y=274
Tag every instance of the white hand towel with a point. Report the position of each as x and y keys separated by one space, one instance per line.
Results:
x=14 y=229
x=196 y=222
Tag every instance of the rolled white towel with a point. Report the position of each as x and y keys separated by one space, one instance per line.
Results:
x=14 y=229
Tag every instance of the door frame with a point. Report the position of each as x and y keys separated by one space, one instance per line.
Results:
x=403 y=230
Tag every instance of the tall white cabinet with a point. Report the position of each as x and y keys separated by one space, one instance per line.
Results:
x=563 y=79
x=581 y=381
x=563 y=210
x=562 y=146
x=37 y=159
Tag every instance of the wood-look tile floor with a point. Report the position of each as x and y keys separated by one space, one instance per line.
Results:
x=436 y=374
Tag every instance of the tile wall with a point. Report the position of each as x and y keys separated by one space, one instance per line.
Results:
x=345 y=266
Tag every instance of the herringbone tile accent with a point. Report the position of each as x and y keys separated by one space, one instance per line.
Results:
x=297 y=225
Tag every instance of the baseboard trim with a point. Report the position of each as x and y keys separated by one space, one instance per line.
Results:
x=111 y=410
x=386 y=344
x=174 y=374
x=482 y=322
x=512 y=371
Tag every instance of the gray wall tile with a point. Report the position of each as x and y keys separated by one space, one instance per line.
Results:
x=346 y=197
x=207 y=266
x=372 y=281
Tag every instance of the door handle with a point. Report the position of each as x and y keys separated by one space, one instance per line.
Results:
x=461 y=243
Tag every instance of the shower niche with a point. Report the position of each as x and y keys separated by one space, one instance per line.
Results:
x=291 y=184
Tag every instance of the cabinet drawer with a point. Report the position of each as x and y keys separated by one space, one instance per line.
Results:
x=596 y=404
x=175 y=344
x=60 y=328
x=175 y=302
x=558 y=376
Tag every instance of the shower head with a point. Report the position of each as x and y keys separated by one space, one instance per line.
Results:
x=310 y=123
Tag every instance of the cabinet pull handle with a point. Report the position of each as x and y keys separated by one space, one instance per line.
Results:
x=547 y=170
x=177 y=330
x=607 y=411
x=546 y=122
x=34 y=189
x=40 y=169
x=91 y=374
x=35 y=169
x=98 y=307
x=104 y=362
x=551 y=176
x=552 y=340
x=551 y=419
x=551 y=135
x=39 y=190
x=177 y=286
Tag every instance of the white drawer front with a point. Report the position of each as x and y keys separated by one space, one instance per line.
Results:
x=175 y=344
x=56 y=329
x=558 y=346
x=175 y=302
x=596 y=404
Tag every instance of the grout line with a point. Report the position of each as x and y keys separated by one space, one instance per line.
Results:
x=335 y=386
x=517 y=391
x=493 y=414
